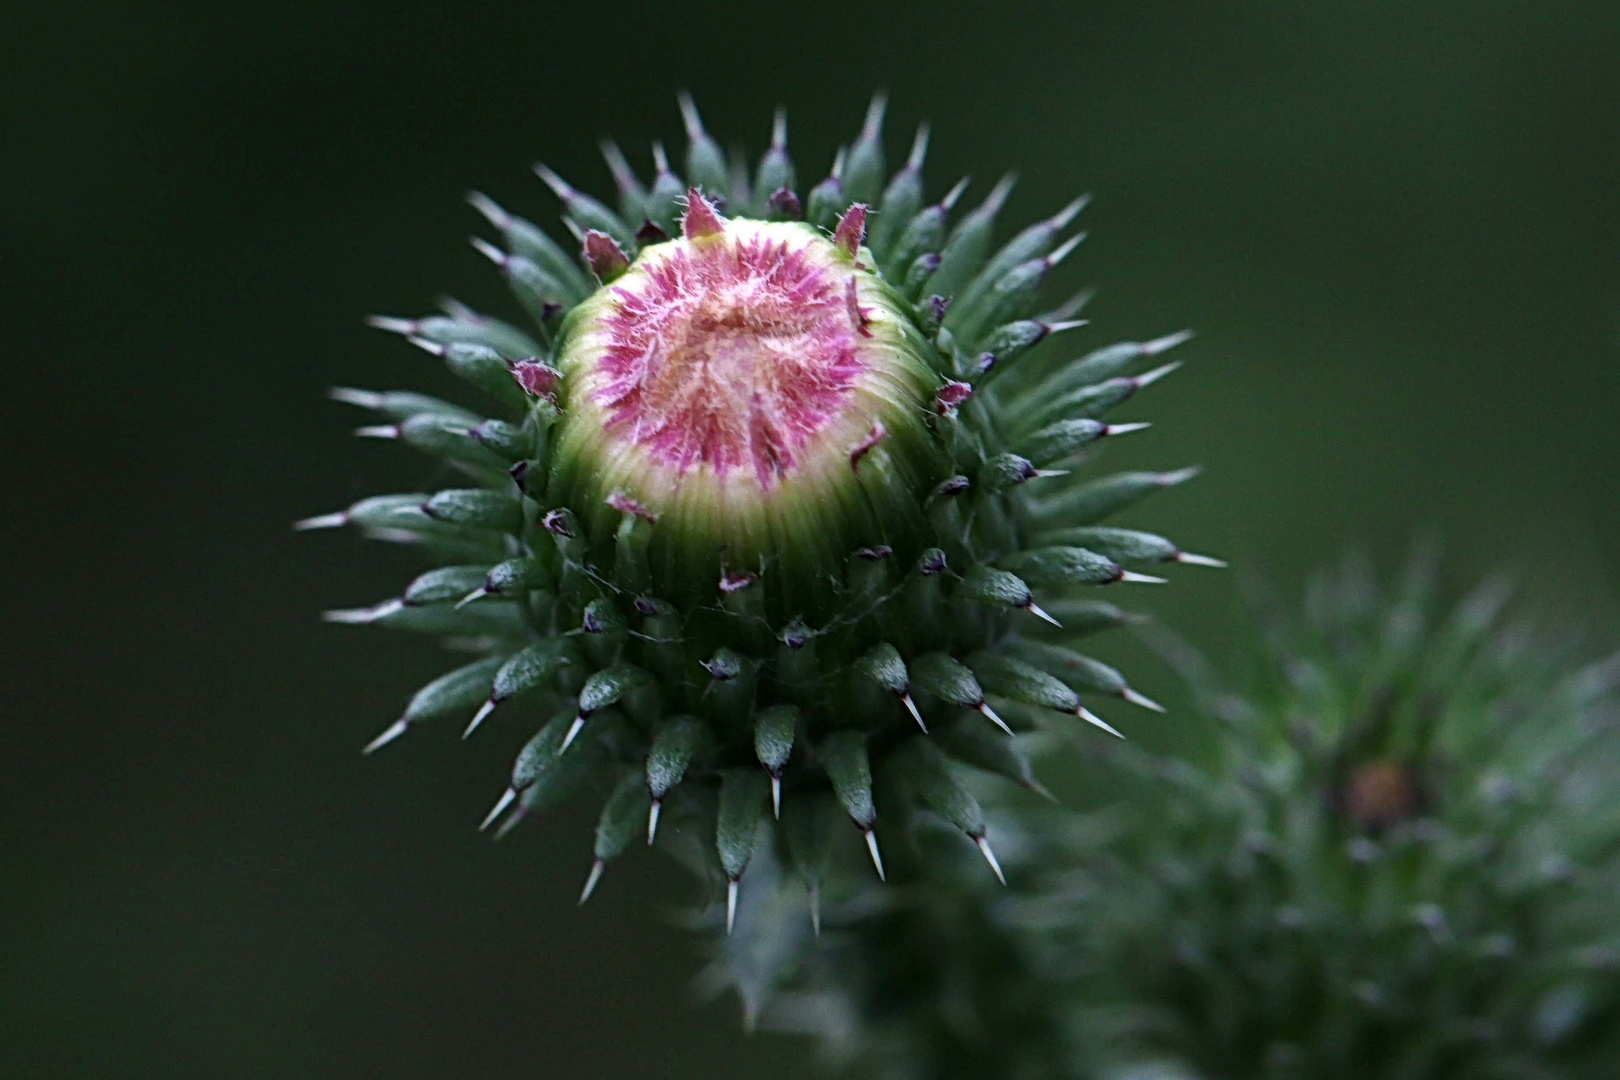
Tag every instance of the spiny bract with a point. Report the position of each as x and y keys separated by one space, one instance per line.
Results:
x=1402 y=862
x=772 y=508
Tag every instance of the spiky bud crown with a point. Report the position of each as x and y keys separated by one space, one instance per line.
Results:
x=769 y=504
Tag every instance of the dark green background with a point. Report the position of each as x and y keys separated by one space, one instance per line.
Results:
x=1396 y=228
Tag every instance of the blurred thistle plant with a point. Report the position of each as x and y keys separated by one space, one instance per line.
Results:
x=773 y=518
x=1402 y=862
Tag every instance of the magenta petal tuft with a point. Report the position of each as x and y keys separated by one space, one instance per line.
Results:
x=851 y=230
x=607 y=260
x=701 y=219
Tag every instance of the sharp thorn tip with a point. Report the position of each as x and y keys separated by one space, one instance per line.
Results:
x=477 y=594
x=590 y=882
x=500 y=805
x=391 y=324
x=1148 y=378
x=513 y=820
x=990 y=857
x=1141 y=699
x=389 y=734
x=872 y=849
x=1035 y=610
x=1062 y=218
x=689 y=114
x=557 y=184
x=1092 y=718
x=998 y=194
x=911 y=707
x=573 y=733
x=349 y=395
x=990 y=714
x=919 y=148
x=1063 y=250
x=488 y=250
x=362 y=616
x=489 y=208
x=478 y=717
x=1169 y=341
x=872 y=126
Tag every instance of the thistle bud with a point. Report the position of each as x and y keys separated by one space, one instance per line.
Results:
x=754 y=515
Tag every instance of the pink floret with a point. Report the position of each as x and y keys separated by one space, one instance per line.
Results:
x=733 y=355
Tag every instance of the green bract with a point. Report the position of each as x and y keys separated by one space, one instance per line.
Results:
x=758 y=505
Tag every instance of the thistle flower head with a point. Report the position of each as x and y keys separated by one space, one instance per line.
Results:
x=730 y=382
x=774 y=516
